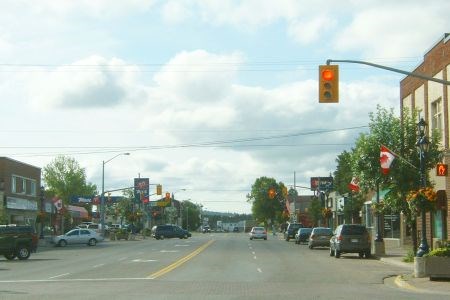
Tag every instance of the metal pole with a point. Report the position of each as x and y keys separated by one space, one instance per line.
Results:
x=102 y=201
x=423 y=248
x=187 y=218
x=379 y=237
x=41 y=236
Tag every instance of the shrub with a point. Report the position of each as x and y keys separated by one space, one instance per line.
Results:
x=409 y=258
x=442 y=251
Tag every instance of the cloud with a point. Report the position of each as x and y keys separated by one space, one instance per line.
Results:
x=386 y=31
x=91 y=82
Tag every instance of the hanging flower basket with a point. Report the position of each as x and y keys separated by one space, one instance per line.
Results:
x=378 y=208
x=327 y=213
x=422 y=199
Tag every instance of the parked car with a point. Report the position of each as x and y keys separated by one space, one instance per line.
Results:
x=78 y=236
x=161 y=232
x=236 y=229
x=258 y=233
x=320 y=237
x=291 y=230
x=17 y=241
x=350 y=238
x=302 y=235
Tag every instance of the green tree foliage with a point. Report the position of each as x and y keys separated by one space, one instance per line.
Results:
x=65 y=178
x=343 y=174
x=191 y=214
x=315 y=211
x=265 y=208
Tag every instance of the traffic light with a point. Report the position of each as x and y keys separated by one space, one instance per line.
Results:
x=328 y=84
x=159 y=189
x=441 y=170
x=272 y=193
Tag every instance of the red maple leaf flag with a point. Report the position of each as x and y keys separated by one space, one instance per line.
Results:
x=354 y=184
x=386 y=159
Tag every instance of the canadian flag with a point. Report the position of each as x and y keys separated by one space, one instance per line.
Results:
x=354 y=184
x=386 y=159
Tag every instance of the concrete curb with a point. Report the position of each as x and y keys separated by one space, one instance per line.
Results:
x=401 y=283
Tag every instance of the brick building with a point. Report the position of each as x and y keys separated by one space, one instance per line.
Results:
x=431 y=99
x=19 y=192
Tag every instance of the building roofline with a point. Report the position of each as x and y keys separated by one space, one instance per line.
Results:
x=20 y=162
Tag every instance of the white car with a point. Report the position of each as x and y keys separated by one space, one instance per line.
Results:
x=78 y=236
x=258 y=233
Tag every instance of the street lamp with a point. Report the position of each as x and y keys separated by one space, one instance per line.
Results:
x=42 y=190
x=423 y=145
x=102 y=198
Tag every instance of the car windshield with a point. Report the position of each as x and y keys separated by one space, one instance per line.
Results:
x=194 y=138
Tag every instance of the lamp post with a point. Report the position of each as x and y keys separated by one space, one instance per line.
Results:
x=102 y=198
x=422 y=145
x=41 y=236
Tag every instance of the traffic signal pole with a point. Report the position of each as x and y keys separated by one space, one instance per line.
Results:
x=418 y=75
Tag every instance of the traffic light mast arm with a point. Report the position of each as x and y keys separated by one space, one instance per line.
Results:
x=418 y=75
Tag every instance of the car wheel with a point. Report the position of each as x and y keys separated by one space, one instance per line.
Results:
x=310 y=247
x=337 y=253
x=287 y=239
x=92 y=242
x=367 y=254
x=361 y=254
x=331 y=252
x=10 y=256
x=185 y=236
x=62 y=243
x=23 y=253
x=251 y=238
x=265 y=239
x=161 y=237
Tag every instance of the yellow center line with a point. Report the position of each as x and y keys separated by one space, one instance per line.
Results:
x=180 y=261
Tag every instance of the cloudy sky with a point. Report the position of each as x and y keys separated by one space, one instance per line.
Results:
x=206 y=95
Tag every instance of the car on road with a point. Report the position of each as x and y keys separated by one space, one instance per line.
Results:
x=236 y=229
x=320 y=237
x=161 y=232
x=291 y=230
x=350 y=238
x=78 y=236
x=302 y=235
x=17 y=241
x=258 y=233
x=206 y=229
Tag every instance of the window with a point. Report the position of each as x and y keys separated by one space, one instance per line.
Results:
x=437 y=116
x=22 y=185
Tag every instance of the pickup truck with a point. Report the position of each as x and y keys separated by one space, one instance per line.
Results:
x=17 y=241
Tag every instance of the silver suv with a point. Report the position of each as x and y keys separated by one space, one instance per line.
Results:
x=350 y=238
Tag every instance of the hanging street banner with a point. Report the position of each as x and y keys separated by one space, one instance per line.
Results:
x=141 y=189
x=95 y=200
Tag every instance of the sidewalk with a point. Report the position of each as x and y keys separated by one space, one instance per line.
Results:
x=394 y=256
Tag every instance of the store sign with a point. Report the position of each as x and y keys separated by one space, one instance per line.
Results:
x=22 y=204
x=322 y=183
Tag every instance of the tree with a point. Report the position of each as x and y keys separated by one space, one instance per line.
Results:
x=268 y=198
x=64 y=178
x=399 y=135
x=190 y=215
x=315 y=211
x=343 y=173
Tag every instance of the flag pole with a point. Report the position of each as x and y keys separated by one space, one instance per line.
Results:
x=401 y=158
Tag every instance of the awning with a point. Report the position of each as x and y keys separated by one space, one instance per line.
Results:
x=77 y=211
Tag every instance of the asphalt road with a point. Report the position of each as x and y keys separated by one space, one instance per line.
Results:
x=206 y=266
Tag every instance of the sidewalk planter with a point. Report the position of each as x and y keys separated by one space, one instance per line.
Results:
x=435 y=267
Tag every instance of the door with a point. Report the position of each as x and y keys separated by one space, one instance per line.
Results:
x=73 y=236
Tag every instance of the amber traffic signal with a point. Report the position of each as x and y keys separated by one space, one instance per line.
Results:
x=272 y=193
x=159 y=189
x=441 y=170
x=328 y=84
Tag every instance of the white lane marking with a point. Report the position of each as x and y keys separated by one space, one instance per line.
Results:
x=169 y=251
x=75 y=279
x=143 y=260
x=99 y=265
x=123 y=258
x=253 y=252
x=60 y=275
x=259 y=270
x=182 y=245
x=254 y=257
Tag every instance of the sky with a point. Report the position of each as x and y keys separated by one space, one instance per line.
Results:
x=205 y=95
